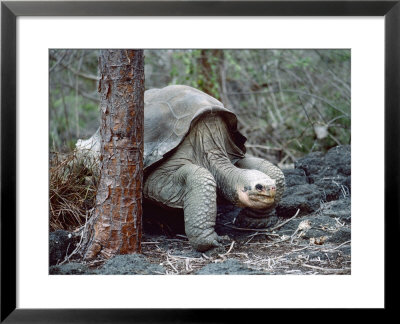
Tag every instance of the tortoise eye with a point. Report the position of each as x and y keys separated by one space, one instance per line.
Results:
x=259 y=187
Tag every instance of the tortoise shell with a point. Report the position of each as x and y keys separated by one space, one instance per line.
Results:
x=169 y=115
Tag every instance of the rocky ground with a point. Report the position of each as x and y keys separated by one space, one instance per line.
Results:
x=309 y=232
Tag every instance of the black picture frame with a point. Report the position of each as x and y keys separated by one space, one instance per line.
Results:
x=10 y=10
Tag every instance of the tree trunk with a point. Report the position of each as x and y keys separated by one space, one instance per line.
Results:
x=210 y=78
x=117 y=216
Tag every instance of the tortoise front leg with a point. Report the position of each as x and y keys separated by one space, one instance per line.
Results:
x=200 y=206
x=261 y=218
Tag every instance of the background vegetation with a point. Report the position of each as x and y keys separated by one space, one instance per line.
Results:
x=288 y=102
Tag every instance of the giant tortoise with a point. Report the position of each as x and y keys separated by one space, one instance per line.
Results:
x=192 y=151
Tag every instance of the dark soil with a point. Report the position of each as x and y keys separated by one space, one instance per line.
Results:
x=316 y=241
x=61 y=244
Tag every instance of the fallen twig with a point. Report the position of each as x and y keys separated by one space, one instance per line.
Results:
x=287 y=221
x=336 y=247
x=78 y=246
x=326 y=269
x=244 y=229
x=230 y=249
x=170 y=264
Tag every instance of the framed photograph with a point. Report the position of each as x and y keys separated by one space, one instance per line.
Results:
x=330 y=73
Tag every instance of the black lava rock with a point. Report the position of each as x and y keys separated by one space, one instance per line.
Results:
x=345 y=250
x=316 y=179
x=305 y=197
x=228 y=267
x=61 y=243
x=339 y=159
x=332 y=188
x=340 y=209
x=70 y=269
x=342 y=235
x=335 y=165
x=312 y=164
x=294 y=177
x=129 y=264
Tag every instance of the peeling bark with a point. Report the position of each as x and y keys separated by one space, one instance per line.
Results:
x=118 y=212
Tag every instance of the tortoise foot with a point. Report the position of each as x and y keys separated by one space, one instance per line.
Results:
x=203 y=244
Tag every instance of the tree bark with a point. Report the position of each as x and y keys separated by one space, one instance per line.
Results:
x=117 y=218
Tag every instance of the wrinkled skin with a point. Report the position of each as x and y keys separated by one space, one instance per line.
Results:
x=192 y=153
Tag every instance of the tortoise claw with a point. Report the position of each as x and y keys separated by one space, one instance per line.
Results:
x=216 y=243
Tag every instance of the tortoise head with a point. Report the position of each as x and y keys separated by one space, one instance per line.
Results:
x=256 y=190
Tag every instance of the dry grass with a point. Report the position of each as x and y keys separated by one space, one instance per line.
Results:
x=72 y=192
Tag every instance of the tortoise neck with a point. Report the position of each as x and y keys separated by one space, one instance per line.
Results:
x=212 y=147
x=225 y=173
